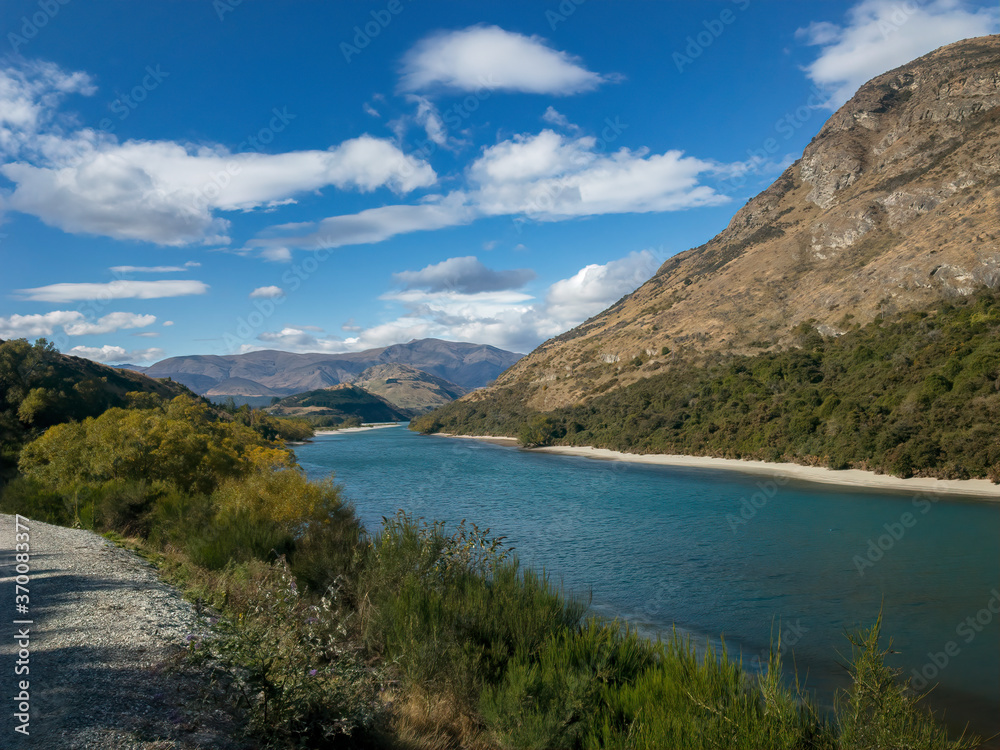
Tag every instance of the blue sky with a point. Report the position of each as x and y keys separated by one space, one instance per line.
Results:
x=218 y=177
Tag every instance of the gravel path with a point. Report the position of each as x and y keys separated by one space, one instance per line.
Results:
x=106 y=643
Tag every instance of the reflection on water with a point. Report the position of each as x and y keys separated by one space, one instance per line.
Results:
x=718 y=553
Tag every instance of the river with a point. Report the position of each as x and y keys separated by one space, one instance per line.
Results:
x=719 y=554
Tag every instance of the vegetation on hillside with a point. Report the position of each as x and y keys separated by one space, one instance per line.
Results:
x=915 y=395
x=417 y=635
x=339 y=403
x=39 y=387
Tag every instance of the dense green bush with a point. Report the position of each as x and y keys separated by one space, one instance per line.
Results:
x=918 y=395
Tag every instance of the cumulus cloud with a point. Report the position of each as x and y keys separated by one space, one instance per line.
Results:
x=29 y=96
x=550 y=177
x=505 y=318
x=595 y=287
x=880 y=35
x=466 y=275
x=119 y=289
x=166 y=192
x=32 y=326
x=267 y=292
x=369 y=226
x=546 y=177
x=152 y=269
x=116 y=354
x=72 y=322
x=109 y=324
x=83 y=181
x=488 y=56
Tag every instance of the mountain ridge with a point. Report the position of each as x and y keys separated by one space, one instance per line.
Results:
x=285 y=373
x=891 y=207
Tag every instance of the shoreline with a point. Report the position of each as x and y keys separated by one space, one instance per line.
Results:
x=362 y=428
x=982 y=489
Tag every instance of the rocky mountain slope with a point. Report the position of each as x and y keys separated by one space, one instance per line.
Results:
x=893 y=205
x=274 y=373
x=407 y=388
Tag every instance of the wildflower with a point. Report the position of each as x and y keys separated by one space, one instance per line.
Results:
x=312 y=672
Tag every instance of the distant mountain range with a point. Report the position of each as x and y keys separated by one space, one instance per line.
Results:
x=268 y=374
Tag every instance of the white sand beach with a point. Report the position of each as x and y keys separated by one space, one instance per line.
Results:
x=979 y=488
x=362 y=428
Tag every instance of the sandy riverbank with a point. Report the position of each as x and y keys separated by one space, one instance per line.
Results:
x=980 y=488
x=362 y=428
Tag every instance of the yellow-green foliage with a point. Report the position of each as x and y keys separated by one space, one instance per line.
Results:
x=181 y=442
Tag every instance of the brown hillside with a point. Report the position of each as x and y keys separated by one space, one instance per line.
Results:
x=894 y=204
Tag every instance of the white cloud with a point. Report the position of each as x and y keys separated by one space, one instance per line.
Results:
x=466 y=275
x=110 y=323
x=71 y=321
x=369 y=226
x=550 y=177
x=880 y=35
x=84 y=181
x=29 y=95
x=267 y=292
x=32 y=326
x=595 y=287
x=119 y=289
x=109 y=353
x=430 y=119
x=152 y=269
x=558 y=119
x=276 y=254
x=508 y=319
x=490 y=57
x=167 y=323
x=166 y=192
x=148 y=334
x=547 y=177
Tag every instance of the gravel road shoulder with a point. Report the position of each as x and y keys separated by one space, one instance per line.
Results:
x=106 y=646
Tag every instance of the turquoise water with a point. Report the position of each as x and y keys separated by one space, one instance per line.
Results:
x=718 y=553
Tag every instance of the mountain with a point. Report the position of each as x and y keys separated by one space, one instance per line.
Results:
x=277 y=373
x=407 y=388
x=892 y=207
x=340 y=401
